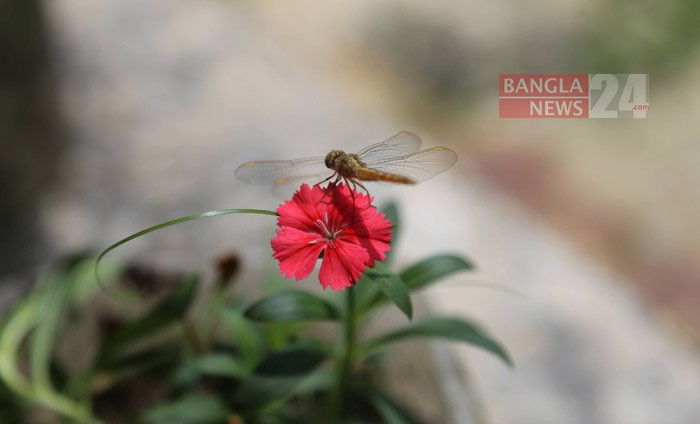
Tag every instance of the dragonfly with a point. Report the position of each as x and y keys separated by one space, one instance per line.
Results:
x=396 y=160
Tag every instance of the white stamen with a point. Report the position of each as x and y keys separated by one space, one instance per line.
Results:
x=326 y=230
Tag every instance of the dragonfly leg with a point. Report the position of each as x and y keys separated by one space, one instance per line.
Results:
x=352 y=190
x=356 y=183
x=335 y=183
x=363 y=187
x=353 y=182
x=327 y=179
x=326 y=190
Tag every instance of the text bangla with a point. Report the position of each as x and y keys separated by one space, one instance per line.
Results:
x=542 y=85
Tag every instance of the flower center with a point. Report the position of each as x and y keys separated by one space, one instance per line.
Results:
x=329 y=231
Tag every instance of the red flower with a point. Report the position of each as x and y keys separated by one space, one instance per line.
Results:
x=316 y=220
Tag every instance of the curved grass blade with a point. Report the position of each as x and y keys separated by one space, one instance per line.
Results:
x=493 y=286
x=170 y=224
x=12 y=334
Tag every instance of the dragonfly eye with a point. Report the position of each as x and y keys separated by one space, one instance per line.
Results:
x=331 y=157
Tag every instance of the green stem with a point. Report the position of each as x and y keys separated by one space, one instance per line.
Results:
x=344 y=363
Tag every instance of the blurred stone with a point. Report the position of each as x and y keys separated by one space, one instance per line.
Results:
x=31 y=137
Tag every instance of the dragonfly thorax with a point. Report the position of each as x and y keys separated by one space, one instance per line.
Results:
x=345 y=165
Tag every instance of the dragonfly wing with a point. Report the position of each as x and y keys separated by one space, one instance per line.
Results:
x=419 y=166
x=283 y=172
x=399 y=144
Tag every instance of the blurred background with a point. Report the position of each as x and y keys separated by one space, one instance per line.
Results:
x=118 y=115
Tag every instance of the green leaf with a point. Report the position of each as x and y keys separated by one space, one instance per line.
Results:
x=424 y=273
x=391 y=210
x=320 y=379
x=279 y=376
x=52 y=304
x=166 y=312
x=277 y=335
x=215 y=364
x=282 y=414
x=292 y=306
x=10 y=406
x=365 y=291
x=170 y=224
x=390 y=410
x=433 y=269
x=366 y=294
x=291 y=361
x=12 y=334
x=257 y=392
x=83 y=278
x=244 y=333
x=194 y=409
x=392 y=287
x=127 y=366
x=55 y=296
x=34 y=312
x=447 y=328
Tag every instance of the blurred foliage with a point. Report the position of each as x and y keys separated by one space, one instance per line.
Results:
x=643 y=37
x=228 y=360
x=439 y=68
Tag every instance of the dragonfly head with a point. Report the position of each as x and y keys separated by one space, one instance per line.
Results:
x=332 y=157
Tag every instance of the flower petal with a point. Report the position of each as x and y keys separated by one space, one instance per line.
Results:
x=374 y=234
x=350 y=207
x=303 y=210
x=296 y=251
x=342 y=265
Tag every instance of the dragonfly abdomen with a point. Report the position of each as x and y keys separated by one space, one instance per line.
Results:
x=351 y=167
x=369 y=174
